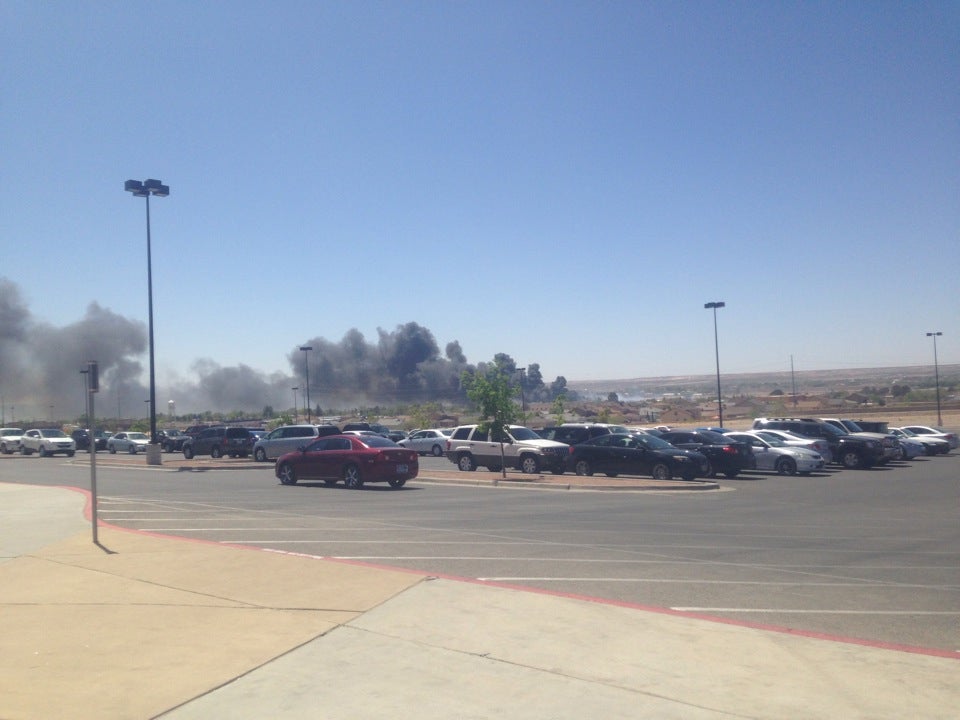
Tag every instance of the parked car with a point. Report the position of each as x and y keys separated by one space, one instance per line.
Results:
x=217 y=442
x=354 y=459
x=928 y=431
x=81 y=437
x=10 y=440
x=910 y=447
x=376 y=428
x=396 y=435
x=774 y=454
x=425 y=442
x=130 y=442
x=851 y=451
x=635 y=454
x=46 y=442
x=515 y=446
x=888 y=442
x=725 y=456
x=932 y=445
x=817 y=445
x=575 y=433
x=171 y=439
x=288 y=438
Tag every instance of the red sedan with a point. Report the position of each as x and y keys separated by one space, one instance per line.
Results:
x=355 y=459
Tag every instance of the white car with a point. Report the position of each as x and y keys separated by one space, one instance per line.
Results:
x=818 y=445
x=910 y=447
x=46 y=442
x=931 y=445
x=10 y=440
x=776 y=455
x=427 y=442
x=131 y=442
x=928 y=431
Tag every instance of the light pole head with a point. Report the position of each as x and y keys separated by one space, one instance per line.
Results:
x=135 y=187
x=305 y=348
x=714 y=305
x=934 y=334
x=155 y=187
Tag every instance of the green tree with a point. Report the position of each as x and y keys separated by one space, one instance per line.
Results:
x=493 y=395
x=558 y=408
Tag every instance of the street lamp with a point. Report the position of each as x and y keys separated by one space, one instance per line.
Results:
x=716 y=347
x=296 y=415
x=145 y=189
x=306 y=367
x=936 y=373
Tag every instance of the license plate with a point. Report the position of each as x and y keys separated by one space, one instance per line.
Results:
x=401 y=468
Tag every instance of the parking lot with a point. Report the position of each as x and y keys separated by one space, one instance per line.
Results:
x=865 y=554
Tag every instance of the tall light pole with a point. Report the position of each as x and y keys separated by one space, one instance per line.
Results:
x=306 y=367
x=716 y=348
x=145 y=189
x=296 y=415
x=86 y=400
x=936 y=373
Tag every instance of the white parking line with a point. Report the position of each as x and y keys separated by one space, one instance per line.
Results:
x=814 y=612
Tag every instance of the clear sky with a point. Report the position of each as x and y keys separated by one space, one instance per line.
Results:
x=565 y=182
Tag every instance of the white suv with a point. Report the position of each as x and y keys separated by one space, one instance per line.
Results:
x=468 y=447
x=47 y=441
x=10 y=440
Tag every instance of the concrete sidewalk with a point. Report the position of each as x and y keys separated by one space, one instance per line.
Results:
x=146 y=626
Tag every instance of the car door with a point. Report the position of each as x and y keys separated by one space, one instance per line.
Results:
x=636 y=457
x=486 y=452
x=600 y=454
x=765 y=456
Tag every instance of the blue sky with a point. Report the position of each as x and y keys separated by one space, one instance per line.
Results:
x=566 y=182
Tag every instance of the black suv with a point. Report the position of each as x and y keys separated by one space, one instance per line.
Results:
x=82 y=438
x=851 y=451
x=171 y=440
x=219 y=441
x=576 y=433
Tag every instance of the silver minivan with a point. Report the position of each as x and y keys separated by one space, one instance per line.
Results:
x=288 y=438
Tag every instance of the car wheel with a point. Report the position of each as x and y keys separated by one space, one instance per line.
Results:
x=661 y=471
x=215 y=453
x=287 y=475
x=260 y=455
x=582 y=467
x=24 y=451
x=397 y=483
x=689 y=476
x=711 y=471
x=113 y=449
x=850 y=459
x=786 y=466
x=436 y=451
x=132 y=449
x=351 y=477
x=529 y=464
x=43 y=451
x=187 y=452
x=70 y=453
x=466 y=462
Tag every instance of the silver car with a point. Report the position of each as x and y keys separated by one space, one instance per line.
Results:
x=776 y=455
x=818 y=445
x=288 y=438
x=10 y=440
x=129 y=442
x=427 y=442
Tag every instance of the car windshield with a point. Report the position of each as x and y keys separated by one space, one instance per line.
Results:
x=522 y=433
x=714 y=438
x=831 y=430
x=53 y=433
x=377 y=441
x=852 y=426
x=654 y=443
x=137 y=436
x=904 y=431
x=12 y=432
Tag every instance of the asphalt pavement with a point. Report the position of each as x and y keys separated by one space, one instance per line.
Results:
x=147 y=626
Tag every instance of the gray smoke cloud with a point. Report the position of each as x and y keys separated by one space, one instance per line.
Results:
x=40 y=368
